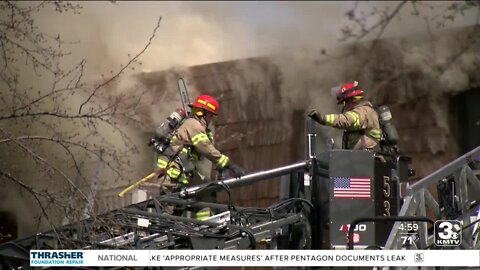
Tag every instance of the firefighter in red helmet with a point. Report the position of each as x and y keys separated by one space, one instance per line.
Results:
x=193 y=141
x=358 y=119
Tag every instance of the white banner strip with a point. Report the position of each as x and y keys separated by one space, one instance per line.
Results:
x=255 y=258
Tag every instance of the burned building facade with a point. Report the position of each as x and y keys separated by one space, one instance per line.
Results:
x=429 y=82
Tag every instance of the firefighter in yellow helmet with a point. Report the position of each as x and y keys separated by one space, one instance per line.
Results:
x=358 y=119
x=191 y=142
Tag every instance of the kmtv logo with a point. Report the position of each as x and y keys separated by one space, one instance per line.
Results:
x=448 y=233
x=358 y=228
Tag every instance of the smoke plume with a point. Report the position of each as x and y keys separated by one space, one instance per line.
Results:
x=299 y=38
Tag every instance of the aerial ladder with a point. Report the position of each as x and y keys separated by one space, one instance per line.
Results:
x=310 y=216
x=458 y=188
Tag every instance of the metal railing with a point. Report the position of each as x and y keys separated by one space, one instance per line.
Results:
x=419 y=201
x=245 y=180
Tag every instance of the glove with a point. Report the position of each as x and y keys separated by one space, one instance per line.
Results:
x=222 y=175
x=316 y=116
x=235 y=170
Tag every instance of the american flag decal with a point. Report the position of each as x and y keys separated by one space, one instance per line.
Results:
x=354 y=187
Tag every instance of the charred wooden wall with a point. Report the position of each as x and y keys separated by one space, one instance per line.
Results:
x=257 y=134
x=246 y=130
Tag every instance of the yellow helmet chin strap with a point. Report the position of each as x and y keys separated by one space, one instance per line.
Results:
x=198 y=112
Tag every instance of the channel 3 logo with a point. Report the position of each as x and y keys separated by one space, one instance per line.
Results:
x=448 y=233
x=419 y=258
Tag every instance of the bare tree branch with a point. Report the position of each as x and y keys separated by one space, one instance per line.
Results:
x=384 y=23
x=34 y=193
x=123 y=68
x=442 y=14
x=39 y=123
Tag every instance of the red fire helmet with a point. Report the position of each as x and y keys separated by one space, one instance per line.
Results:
x=206 y=102
x=348 y=90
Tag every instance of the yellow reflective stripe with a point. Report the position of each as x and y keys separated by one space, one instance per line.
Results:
x=161 y=163
x=211 y=106
x=199 y=138
x=183 y=180
x=208 y=104
x=356 y=119
x=174 y=139
x=222 y=161
x=184 y=150
x=329 y=119
x=202 y=215
x=172 y=172
x=375 y=133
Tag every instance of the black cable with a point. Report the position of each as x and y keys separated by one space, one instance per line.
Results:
x=272 y=211
x=258 y=211
x=274 y=208
x=251 y=236
x=231 y=206
x=180 y=228
x=293 y=200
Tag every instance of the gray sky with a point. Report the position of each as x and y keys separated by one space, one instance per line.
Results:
x=193 y=33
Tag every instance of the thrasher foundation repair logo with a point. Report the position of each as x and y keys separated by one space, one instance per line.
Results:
x=56 y=258
x=448 y=233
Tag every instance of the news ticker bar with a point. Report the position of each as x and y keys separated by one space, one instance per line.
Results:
x=255 y=258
